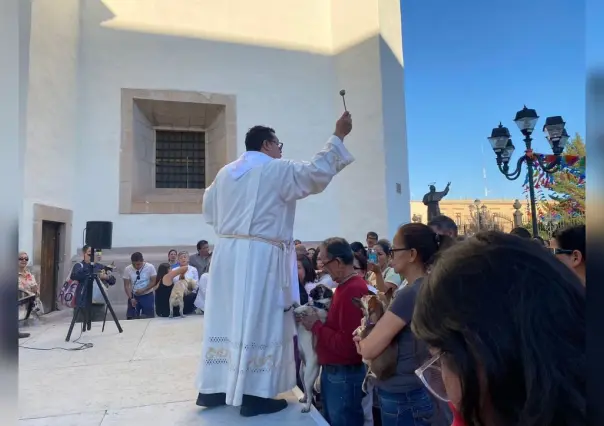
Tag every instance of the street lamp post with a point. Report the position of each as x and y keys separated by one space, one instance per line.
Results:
x=479 y=212
x=502 y=145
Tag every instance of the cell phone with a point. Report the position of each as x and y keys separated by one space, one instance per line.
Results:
x=372 y=256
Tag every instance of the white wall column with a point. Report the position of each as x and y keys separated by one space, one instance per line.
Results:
x=51 y=169
x=367 y=45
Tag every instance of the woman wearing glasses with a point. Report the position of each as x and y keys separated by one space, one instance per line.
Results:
x=568 y=245
x=403 y=399
x=381 y=274
x=505 y=325
x=191 y=274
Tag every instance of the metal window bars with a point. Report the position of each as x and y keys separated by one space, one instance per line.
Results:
x=179 y=159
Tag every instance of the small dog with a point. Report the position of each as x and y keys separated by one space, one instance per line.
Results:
x=374 y=306
x=180 y=288
x=320 y=301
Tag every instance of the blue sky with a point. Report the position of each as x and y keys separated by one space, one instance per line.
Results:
x=472 y=63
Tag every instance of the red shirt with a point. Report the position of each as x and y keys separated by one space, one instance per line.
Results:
x=457 y=420
x=334 y=338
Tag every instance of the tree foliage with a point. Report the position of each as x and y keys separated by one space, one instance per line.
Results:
x=567 y=191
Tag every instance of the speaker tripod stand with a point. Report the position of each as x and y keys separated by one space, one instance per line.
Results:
x=84 y=302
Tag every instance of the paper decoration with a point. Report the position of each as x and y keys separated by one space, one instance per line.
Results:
x=569 y=164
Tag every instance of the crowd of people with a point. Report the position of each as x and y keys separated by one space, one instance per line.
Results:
x=487 y=316
x=488 y=328
x=147 y=288
x=484 y=330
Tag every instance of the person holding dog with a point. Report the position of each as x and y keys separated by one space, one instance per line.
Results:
x=403 y=399
x=248 y=341
x=342 y=369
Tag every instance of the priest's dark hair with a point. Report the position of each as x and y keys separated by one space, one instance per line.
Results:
x=518 y=338
x=338 y=248
x=255 y=137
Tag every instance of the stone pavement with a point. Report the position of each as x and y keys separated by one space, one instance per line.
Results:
x=144 y=376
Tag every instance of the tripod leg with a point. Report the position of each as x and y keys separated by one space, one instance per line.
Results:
x=108 y=304
x=89 y=303
x=104 y=319
x=76 y=312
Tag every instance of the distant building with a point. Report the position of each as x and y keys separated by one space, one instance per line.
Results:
x=499 y=213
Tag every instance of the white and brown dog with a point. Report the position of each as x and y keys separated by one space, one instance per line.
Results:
x=320 y=300
x=180 y=288
x=374 y=306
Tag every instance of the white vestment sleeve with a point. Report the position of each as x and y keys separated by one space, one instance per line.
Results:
x=209 y=203
x=303 y=178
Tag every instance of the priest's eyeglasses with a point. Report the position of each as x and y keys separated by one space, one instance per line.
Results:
x=430 y=374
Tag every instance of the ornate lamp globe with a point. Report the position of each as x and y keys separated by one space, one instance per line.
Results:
x=526 y=119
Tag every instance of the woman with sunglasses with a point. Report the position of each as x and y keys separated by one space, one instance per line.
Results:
x=403 y=399
x=505 y=324
x=568 y=245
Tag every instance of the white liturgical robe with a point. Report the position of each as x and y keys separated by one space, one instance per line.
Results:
x=248 y=338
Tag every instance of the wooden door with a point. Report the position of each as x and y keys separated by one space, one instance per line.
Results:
x=49 y=264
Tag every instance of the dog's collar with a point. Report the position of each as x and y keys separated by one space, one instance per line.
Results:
x=320 y=305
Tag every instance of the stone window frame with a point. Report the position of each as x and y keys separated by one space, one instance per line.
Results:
x=219 y=152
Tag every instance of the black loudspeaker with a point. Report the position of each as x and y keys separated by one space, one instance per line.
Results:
x=99 y=235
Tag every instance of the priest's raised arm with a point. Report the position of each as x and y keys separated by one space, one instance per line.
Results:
x=303 y=178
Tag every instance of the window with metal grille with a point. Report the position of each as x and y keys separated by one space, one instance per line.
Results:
x=180 y=159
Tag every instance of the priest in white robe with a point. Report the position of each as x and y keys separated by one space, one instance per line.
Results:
x=247 y=354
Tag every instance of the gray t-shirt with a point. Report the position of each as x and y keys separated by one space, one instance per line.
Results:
x=411 y=352
x=202 y=264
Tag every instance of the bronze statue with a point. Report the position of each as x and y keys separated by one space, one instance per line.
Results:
x=432 y=198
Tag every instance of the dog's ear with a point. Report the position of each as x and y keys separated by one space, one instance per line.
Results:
x=358 y=302
x=374 y=304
